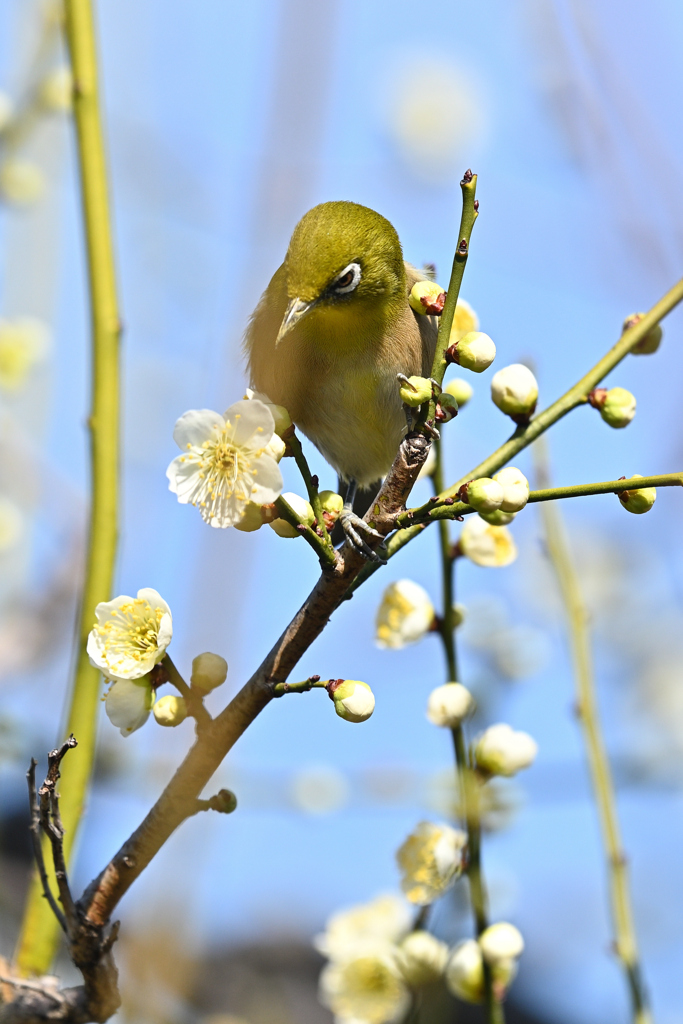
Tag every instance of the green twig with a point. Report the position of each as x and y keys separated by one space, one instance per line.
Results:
x=577 y=620
x=311 y=485
x=303 y=686
x=324 y=551
x=195 y=704
x=39 y=934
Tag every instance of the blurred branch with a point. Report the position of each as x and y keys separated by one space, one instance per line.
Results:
x=577 y=614
x=39 y=934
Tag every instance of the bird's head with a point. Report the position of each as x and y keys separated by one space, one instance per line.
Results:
x=342 y=258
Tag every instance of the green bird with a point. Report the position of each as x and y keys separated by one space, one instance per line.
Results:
x=329 y=336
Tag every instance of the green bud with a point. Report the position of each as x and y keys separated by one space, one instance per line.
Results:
x=427 y=297
x=353 y=701
x=650 y=343
x=475 y=351
x=302 y=509
x=460 y=389
x=225 y=801
x=616 y=406
x=331 y=502
x=638 y=501
x=208 y=671
x=484 y=494
x=446 y=407
x=498 y=517
x=170 y=710
x=415 y=391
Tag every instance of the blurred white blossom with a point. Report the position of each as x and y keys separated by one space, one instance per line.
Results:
x=430 y=860
x=405 y=614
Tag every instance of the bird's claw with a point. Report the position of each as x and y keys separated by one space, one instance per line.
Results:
x=353 y=526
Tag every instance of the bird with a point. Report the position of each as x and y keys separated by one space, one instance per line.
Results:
x=330 y=335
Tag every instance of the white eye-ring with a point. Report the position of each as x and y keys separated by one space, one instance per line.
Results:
x=347 y=280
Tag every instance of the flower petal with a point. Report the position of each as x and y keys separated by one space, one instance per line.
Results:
x=268 y=482
x=196 y=426
x=128 y=704
x=252 y=424
x=184 y=479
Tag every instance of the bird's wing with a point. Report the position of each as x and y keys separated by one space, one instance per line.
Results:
x=428 y=325
x=262 y=330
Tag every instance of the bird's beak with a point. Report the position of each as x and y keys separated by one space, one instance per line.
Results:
x=296 y=309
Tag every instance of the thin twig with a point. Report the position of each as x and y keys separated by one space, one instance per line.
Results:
x=195 y=704
x=311 y=483
x=626 y=946
x=37 y=845
x=323 y=549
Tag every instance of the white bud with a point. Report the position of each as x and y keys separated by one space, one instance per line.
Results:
x=514 y=390
x=500 y=750
x=650 y=343
x=475 y=351
x=448 y=705
x=208 y=671
x=128 y=703
x=460 y=390
x=276 y=447
x=21 y=181
x=302 y=509
x=422 y=958
x=465 y=972
x=501 y=941
x=354 y=701
x=616 y=406
x=56 y=90
x=170 y=710
x=515 y=489
x=484 y=494
x=489 y=546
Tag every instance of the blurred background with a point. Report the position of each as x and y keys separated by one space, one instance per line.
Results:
x=225 y=123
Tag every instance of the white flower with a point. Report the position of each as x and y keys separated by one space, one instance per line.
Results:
x=474 y=350
x=281 y=417
x=128 y=704
x=404 y=616
x=483 y=544
x=303 y=510
x=465 y=972
x=24 y=342
x=501 y=941
x=422 y=958
x=515 y=489
x=208 y=671
x=430 y=860
x=483 y=494
x=170 y=710
x=367 y=987
x=500 y=750
x=225 y=464
x=448 y=705
x=385 y=919
x=514 y=390
x=21 y=181
x=354 y=701
x=56 y=90
x=131 y=635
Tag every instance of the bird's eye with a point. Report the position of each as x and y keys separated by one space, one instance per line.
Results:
x=347 y=280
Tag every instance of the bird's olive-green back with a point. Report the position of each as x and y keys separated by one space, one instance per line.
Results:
x=330 y=237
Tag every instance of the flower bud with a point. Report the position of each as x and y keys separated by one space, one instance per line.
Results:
x=650 y=343
x=500 y=750
x=170 y=710
x=486 y=545
x=465 y=972
x=6 y=110
x=404 y=615
x=475 y=351
x=422 y=958
x=415 y=391
x=446 y=407
x=616 y=406
x=459 y=613
x=276 y=447
x=21 y=181
x=448 y=705
x=515 y=489
x=353 y=701
x=252 y=518
x=332 y=505
x=501 y=941
x=484 y=494
x=208 y=671
x=128 y=703
x=427 y=297
x=281 y=417
x=302 y=509
x=56 y=90
x=514 y=390
x=430 y=860
x=638 y=501
x=224 y=801
x=460 y=389
x=498 y=517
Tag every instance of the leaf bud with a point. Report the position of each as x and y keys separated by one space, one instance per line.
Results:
x=415 y=391
x=484 y=494
x=638 y=501
x=427 y=297
x=170 y=710
x=515 y=489
x=460 y=389
x=208 y=671
x=353 y=701
x=422 y=958
x=475 y=351
x=449 y=705
x=498 y=517
x=224 y=801
x=500 y=750
x=446 y=407
x=616 y=406
x=302 y=509
x=650 y=343
x=501 y=941
x=515 y=391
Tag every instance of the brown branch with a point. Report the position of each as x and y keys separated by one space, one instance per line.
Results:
x=34 y=828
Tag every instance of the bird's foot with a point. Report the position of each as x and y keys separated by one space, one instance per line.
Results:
x=353 y=526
